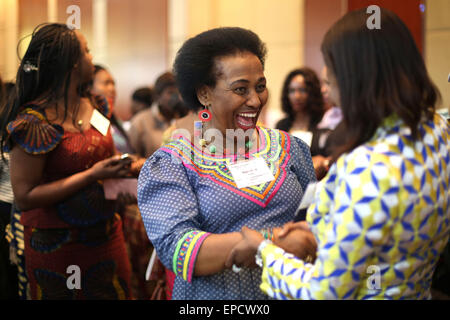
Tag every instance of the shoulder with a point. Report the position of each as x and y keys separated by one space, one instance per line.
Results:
x=371 y=169
x=284 y=124
x=32 y=131
x=441 y=126
x=173 y=152
x=300 y=144
x=142 y=116
x=163 y=166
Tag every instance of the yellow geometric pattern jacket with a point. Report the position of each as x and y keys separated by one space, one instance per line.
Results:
x=381 y=220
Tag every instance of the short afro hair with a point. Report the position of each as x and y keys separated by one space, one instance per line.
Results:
x=195 y=61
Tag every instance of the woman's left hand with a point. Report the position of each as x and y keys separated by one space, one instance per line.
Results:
x=243 y=254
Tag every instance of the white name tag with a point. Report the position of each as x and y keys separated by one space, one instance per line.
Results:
x=100 y=122
x=306 y=136
x=250 y=173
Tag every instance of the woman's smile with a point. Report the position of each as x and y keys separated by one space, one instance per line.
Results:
x=246 y=120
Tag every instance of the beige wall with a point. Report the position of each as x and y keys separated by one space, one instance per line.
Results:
x=278 y=23
x=136 y=45
x=319 y=17
x=437 y=45
x=128 y=37
x=9 y=25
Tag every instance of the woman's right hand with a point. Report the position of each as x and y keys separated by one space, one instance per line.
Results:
x=110 y=168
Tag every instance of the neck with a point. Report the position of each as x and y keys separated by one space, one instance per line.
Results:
x=73 y=97
x=233 y=144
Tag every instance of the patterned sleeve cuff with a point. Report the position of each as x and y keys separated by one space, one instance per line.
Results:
x=186 y=253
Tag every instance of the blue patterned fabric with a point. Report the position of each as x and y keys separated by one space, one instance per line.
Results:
x=381 y=218
x=178 y=197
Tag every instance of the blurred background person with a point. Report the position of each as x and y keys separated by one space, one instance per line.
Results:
x=141 y=99
x=333 y=114
x=138 y=246
x=304 y=106
x=148 y=126
x=184 y=119
x=8 y=271
x=105 y=85
x=17 y=278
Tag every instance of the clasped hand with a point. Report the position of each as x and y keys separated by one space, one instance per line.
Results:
x=294 y=237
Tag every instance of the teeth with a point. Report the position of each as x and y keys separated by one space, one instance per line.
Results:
x=242 y=123
x=248 y=115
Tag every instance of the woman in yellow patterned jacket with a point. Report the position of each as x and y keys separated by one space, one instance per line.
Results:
x=381 y=215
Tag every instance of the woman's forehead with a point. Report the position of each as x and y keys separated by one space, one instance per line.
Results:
x=239 y=65
x=81 y=38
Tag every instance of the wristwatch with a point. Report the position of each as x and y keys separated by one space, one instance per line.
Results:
x=258 y=256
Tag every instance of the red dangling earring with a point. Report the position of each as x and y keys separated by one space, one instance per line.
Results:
x=205 y=115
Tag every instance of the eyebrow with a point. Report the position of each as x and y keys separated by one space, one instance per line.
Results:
x=246 y=81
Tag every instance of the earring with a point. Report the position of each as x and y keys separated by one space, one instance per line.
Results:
x=204 y=116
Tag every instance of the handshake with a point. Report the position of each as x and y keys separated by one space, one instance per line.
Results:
x=294 y=237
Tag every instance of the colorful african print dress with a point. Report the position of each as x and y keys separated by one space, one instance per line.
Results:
x=81 y=235
x=381 y=218
x=185 y=195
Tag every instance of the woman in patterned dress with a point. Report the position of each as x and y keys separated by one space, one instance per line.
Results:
x=381 y=215
x=191 y=204
x=74 y=246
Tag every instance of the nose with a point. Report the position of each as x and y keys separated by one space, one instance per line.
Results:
x=254 y=100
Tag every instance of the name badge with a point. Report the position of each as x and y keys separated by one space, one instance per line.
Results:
x=250 y=173
x=100 y=122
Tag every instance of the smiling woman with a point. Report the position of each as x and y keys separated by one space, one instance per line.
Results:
x=194 y=197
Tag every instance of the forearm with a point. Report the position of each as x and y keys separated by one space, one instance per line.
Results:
x=214 y=252
x=48 y=194
x=280 y=282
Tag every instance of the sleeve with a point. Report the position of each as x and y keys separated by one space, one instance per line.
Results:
x=357 y=218
x=170 y=213
x=31 y=131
